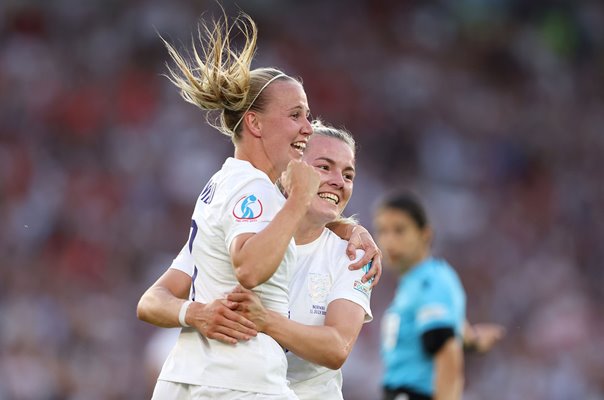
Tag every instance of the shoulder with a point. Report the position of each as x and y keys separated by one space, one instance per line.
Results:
x=446 y=273
x=239 y=178
x=438 y=277
x=238 y=171
x=336 y=247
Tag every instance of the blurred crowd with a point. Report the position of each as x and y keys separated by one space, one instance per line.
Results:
x=491 y=110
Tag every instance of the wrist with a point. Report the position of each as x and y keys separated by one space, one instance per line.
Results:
x=298 y=203
x=270 y=322
x=182 y=313
x=301 y=196
x=354 y=229
x=470 y=344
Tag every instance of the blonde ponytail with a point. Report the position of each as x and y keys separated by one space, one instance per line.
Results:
x=219 y=78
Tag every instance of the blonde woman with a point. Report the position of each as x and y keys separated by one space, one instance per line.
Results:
x=242 y=227
x=328 y=303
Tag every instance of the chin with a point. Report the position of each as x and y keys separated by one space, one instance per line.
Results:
x=325 y=216
x=294 y=155
x=331 y=217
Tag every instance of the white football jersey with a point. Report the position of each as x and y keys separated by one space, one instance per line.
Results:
x=320 y=276
x=238 y=199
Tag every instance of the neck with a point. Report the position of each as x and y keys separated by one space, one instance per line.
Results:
x=308 y=231
x=255 y=155
x=406 y=266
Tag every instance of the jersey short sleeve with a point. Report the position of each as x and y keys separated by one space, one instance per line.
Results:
x=348 y=285
x=250 y=209
x=184 y=261
x=434 y=306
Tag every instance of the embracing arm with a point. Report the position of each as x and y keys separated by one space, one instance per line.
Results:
x=328 y=345
x=161 y=303
x=448 y=371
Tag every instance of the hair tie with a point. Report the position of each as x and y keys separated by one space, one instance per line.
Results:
x=255 y=97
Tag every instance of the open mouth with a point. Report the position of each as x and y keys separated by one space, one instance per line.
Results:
x=299 y=147
x=332 y=198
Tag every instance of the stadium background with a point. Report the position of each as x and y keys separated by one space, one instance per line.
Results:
x=491 y=109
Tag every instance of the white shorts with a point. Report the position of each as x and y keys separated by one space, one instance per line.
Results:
x=165 y=390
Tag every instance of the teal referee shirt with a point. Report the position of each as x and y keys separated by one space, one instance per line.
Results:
x=429 y=296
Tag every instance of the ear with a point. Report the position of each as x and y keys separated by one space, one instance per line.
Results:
x=428 y=235
x=252 y=123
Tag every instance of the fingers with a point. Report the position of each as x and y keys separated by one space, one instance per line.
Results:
x=230 y=325
x=351 y=251
x=377 y=266
x=494 y=330
x=363 y=261
x=238 y=297
x=227 y=335
x=375 y=272
x=236 y=323
x=230 y=304
x=238 y=289
x=241 y=289
x=222 y=338
x=487 y=336
x=231 y=315
x=219 y=321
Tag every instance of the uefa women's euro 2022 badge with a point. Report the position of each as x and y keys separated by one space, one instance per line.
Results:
x=319 y=286
x=247 y=208
x=364 y=288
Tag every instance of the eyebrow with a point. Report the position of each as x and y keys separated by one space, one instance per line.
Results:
x=299 y=108
x=330 y=161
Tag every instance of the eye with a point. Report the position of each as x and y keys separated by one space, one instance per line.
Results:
x=296 y=115
x=323 y=167
x=349 y=177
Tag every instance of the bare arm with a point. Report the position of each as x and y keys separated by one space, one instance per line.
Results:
x=448 y=371
x=328 y=345
x=161 y=303
x=256 y=256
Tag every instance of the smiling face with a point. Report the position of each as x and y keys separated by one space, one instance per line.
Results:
x=334 y=160
x=284 y=125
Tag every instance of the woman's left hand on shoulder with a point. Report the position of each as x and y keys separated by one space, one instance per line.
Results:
x=361 y=239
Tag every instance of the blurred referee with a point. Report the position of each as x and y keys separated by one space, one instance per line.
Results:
x=423 y=328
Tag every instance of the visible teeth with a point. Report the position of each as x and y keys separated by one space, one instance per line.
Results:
x=300 y=145
x=330 y=197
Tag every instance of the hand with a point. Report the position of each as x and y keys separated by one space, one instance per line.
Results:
x=249 y=306
x=218 y=320
x=485 y=336
x=301 y=180
x=360 y=238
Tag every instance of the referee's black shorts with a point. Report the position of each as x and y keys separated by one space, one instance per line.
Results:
x=403 y=394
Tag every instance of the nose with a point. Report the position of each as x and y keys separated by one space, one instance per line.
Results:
x=336 y=179
x=306 y=128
